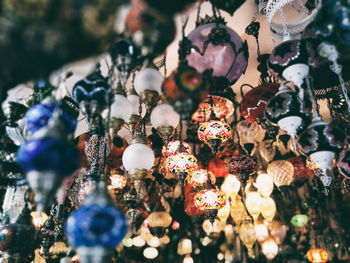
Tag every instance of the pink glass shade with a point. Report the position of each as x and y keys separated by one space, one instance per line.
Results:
x=227 y=58
x=344 y=163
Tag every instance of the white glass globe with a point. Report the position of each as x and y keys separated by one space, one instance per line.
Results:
x=264 y=183
x=138 y=156
x=135 y=105
x=150 y=252
x=164 y=115
x=120 y=108
x=148 y=79
x=138 y=241
x=269 y=248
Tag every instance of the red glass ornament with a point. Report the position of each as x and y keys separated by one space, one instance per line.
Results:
x=190 y=207
x=185 y=83
x=253 y=103
x=242 y=165
x=301 y=172
x=217 y=167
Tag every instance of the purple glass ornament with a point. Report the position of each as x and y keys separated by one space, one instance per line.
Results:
x=344 y=163
x=218 y=48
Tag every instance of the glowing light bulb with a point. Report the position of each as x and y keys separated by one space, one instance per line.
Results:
x=231 y=185
x=261 y=232
x=39 y=218
x=224 y=212
x=264 y=183
x=253 y=203
x=150 y=252
x=268 y=208
x=269 y=248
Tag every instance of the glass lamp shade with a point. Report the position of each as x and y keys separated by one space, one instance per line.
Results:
x=290 y=60
x=224 y=212
x=39 y=115
x=219 y=48
x=120 y=109
x=249 y=132
x=261 y=232
x=217 y=167
x=317 y=255
x=267 y=150
x=278 y=232
x=92 y=88
x=39 y=219
x=344 y=163
x=138 y=241
x=242 y=165
x=300 y=220
x=118 y=181
x=184 y=246
x=222 y=107
x=268 y=208
x=288 y=111
x=213 y=228
x=188 y=259
x=173 y=146
x=185 y=83
x=200 y=178
x=159 y=219
x=210 y=199
x=269 y=248
x=135 y=105
x=321 y=137
x=138 y=156
x=231 y=185
x=190 y=208
x=96 y=225
x=164 y=115
x=181 y=163
x=264 y=183
x=153 y=241
x=214 y=130
x=48 y=154
x=247 y=233
x=281 y=171
x=148 y=79
x=238 y=211
x=254 y=101
x=125 y=56
x=150 y=253
x=301 y=171
x=253 y=203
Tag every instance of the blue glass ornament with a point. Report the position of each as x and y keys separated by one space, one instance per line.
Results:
x=93 y=87
x=96 y=225
x=39 y=115
x=49 y=154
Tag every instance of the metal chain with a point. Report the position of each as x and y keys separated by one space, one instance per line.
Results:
x=304 y=7
x=286 y=35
